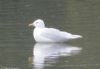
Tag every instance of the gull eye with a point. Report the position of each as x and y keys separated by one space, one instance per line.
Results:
x=37 y=22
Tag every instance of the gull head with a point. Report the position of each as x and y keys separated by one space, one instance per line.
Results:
x=39 y=23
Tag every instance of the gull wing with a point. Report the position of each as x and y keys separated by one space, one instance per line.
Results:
x=54 y=34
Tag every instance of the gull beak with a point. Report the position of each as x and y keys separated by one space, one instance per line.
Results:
x=30 y=25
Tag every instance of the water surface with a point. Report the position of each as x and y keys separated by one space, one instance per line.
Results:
x=18 y=49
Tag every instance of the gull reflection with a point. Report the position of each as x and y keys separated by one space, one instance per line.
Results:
x=50 y=52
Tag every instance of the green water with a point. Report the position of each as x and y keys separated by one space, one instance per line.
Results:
x=18 y=49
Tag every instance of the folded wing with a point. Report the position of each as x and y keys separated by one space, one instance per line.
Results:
x=55 y=34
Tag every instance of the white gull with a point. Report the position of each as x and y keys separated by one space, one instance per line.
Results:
x=43 y=34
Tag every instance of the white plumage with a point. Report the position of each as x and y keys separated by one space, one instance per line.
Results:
x=43 y=34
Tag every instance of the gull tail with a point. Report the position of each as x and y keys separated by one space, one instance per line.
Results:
x=75 y=36
x=71 y=36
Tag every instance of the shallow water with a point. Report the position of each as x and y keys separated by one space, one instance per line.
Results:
x=18 y=49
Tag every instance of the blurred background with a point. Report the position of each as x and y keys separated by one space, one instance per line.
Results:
x=74 y=16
